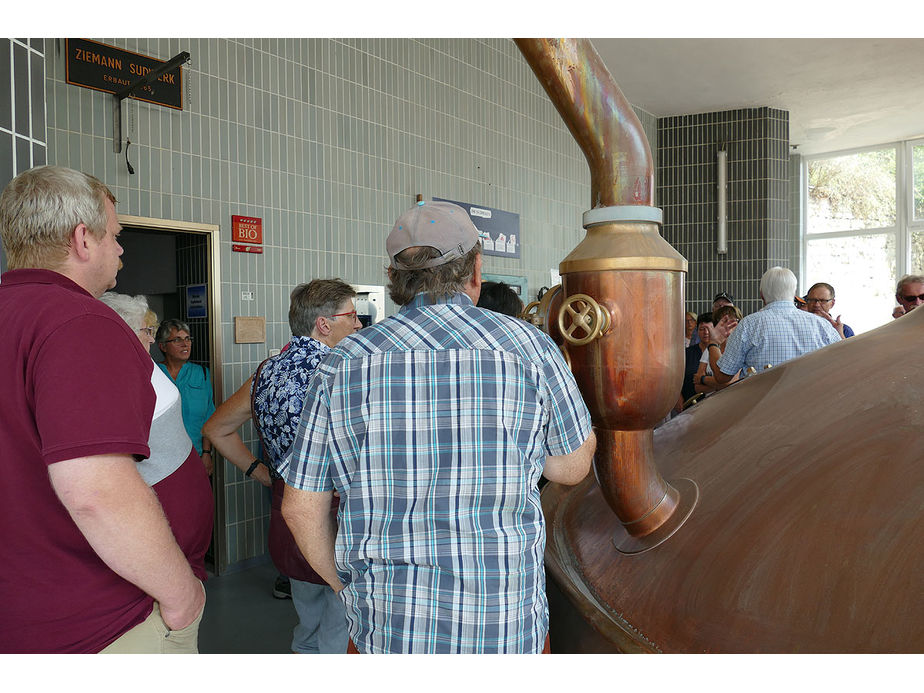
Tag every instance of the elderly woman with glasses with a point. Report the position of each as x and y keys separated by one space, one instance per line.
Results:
x=192 y=380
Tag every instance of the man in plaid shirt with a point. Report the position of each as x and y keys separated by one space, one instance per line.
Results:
x=773 y=335
x=434 y=426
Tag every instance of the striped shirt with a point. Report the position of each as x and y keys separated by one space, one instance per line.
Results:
x=775 y=334
x=434 y=425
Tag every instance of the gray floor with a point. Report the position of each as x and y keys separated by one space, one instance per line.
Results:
x=242 y=616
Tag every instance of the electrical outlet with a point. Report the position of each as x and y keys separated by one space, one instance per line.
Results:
x=247 y=295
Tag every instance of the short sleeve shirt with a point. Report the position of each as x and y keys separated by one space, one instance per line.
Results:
x=76 y=383
x=773 y=335
x=434 y=426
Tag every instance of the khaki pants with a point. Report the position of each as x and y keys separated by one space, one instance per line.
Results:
x=152 y=636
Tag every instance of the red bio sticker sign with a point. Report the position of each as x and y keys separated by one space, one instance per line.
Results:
x=246 y=229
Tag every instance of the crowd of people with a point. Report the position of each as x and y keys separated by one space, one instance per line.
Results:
x=773 y=335
x=404 y=459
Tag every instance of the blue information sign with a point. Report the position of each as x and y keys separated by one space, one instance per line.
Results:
x=196 y=301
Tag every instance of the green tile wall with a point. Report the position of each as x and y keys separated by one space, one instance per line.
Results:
x=328 y=141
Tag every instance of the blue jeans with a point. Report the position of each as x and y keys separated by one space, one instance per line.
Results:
x=322 y=625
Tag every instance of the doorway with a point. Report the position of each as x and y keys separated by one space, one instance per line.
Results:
x=176 y=265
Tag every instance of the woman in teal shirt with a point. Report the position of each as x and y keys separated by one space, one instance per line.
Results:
x=192 y=380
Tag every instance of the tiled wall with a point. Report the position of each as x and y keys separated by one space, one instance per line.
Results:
x=759 y=236
x=22 y=109
x=328 y=141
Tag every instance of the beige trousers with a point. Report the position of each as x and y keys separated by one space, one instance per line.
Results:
x=152 y=636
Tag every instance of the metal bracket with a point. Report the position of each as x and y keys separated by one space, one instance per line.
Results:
x=147 y=79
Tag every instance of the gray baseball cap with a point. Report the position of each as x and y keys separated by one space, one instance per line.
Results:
x=441 y=225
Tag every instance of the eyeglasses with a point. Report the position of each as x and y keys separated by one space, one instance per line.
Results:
x=179 y=340
x=822 y=300
x=912 y=299
x=149 y=331
x=352 y=314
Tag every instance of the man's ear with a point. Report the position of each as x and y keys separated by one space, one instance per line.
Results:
x=80 y=241
x=473 y=286
x=322 y=326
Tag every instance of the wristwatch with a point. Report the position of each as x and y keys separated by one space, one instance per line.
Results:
x=253 y=466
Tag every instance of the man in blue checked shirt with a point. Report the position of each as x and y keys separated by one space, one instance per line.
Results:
x=434 y=426
x=776 y=333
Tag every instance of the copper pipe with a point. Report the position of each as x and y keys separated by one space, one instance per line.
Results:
x=623 y=288
x=598 y=116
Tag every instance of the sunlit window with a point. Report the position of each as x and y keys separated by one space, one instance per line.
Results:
x=863 y=228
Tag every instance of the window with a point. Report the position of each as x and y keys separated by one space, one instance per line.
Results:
x=916 y=154
x=864 y=227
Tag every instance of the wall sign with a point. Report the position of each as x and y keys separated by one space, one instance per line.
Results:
x=254 y=249
x=500 y=230
x=106 y=68
x=246 y=230
x=196 y=301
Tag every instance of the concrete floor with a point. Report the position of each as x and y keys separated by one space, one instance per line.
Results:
x=242 y=616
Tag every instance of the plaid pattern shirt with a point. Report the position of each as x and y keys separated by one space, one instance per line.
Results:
x=775 y=334
x=433 y=426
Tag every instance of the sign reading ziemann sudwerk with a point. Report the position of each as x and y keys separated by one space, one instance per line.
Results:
x=106 y=68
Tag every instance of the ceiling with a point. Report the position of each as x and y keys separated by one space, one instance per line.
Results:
x=840 y=93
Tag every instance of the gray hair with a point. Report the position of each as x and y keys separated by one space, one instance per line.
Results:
x=908 y=279
x=163 y=331
x=317 y=298
x=131 y=309
x=41 y=207
x=778 y=284
x=443 y=280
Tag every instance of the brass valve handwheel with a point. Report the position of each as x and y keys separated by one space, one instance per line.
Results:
x=531 y=313
x=587 y=315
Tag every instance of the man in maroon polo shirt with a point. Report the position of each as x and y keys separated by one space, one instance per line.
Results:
x=89 y=558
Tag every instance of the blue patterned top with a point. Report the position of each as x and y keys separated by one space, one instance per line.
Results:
x=775 y=334
x=280 y=393
x=434 y=426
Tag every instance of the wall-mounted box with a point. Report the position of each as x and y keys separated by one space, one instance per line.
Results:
x=370 y=303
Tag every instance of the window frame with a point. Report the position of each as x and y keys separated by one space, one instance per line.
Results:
x=904 y=205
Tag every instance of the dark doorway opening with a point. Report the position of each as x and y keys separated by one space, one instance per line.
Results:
x=175 y=268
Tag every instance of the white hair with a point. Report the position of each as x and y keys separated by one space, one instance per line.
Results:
x=131 y=309
x=778 y=284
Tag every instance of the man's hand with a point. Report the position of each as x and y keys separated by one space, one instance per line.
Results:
x=837 y=324
x=716 y=335
x=177 y=615
x=898 y=311
x=726 y=325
